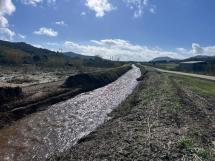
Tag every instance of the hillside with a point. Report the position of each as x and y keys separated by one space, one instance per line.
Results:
x=20 y=53
x=162 y=59
x=75 y=55
x=201 y=58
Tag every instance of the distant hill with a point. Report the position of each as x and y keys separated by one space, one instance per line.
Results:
x=162 y=59
x=201 y=58
x=19 y=53
x=75 y=55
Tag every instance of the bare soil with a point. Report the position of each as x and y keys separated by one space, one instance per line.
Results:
x=162 y=120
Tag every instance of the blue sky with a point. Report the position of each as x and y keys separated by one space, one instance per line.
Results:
x=124 y=29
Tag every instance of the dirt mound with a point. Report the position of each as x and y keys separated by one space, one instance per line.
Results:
x=96 y=79
x=8 y=93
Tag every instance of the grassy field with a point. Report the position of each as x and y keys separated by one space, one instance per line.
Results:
x=168 y=66
x=201 y=86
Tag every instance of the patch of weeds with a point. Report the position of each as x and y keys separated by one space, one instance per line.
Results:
x=205 y=87
x=173 y=98
x=204 y=154
x=147 y=98
x=186 y=143
x=195 y=133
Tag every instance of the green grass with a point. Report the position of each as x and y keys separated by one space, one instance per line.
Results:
x=205 y=87
x=204 y=154
x=170 y=66
x=186 y=143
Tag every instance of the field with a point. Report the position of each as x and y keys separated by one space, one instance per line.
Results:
x=168 y=117
x=173 y=66
x=167 y=66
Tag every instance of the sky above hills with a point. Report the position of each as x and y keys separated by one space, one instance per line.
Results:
x=117 y=29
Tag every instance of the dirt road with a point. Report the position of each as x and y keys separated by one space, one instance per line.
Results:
x=55 y=130
x=188 y=74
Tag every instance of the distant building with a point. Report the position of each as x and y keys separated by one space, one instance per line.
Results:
x=195 y=66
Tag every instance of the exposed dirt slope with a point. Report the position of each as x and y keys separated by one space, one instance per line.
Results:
x=162 y=120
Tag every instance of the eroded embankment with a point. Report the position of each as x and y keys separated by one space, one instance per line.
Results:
x=164 y=119
x=55 y=130
x=38 y=97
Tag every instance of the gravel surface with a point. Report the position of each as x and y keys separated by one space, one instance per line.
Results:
x=55 y=130
x=188 y=74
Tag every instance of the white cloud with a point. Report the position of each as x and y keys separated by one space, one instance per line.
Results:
x=37 y=46
x=6 y=8
x=197 y=49
x=83 y=13
x=37 y=2
x=22 y=36
x=118 y=48
x=31 y=2
x=61 y=23
x=6 y=34
x=139 y=7
x=46 y=31
x=100 y=7
x=3 y=22
x=125 y=50
x=210 y=50
x=152 y=10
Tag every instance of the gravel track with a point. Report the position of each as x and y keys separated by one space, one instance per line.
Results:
x=188 y=74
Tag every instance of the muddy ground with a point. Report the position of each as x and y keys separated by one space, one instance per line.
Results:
x=164 y=119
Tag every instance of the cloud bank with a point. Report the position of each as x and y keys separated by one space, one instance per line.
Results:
x=118 y=49
x=101 y=7
x=125 y=50
x=6 y=8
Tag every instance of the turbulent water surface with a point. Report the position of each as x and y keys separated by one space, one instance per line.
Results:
x=49 y=132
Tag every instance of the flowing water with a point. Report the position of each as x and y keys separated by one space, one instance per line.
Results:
x=55 y=130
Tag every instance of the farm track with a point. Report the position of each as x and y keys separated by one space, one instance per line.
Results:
x=188 y=74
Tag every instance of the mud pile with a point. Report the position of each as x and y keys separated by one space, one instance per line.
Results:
x=94 y=80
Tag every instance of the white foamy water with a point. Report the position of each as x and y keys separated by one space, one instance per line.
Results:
x=55 y=130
